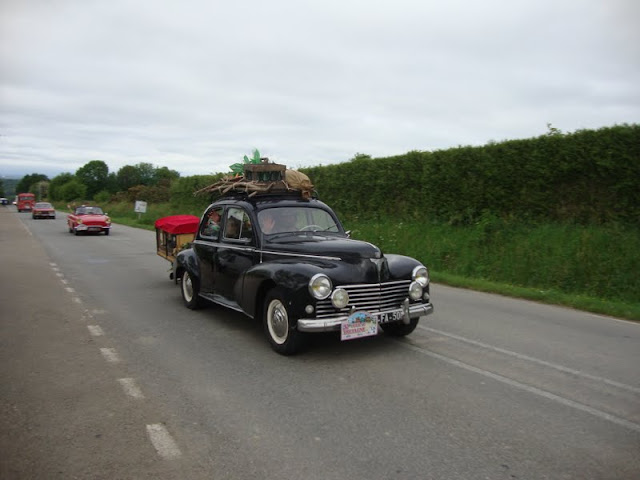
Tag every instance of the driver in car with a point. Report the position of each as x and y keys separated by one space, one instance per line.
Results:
x=273 y=222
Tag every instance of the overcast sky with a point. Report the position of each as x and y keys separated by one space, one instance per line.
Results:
x=196 y=84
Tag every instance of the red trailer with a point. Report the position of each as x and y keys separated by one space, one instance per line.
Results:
x=175 y=233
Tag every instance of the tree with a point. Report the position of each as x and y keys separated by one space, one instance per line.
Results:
x=73 y=190
x=25 y=183
x=41 y=189
x=164 y=176
x=147 y=173
x=1 y=188
x=94 y=175
x=112 y=183
x=127 y=177
x=56 y=183
x=144 y=174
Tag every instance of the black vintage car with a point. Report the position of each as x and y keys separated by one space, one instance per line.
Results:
x=288 y=261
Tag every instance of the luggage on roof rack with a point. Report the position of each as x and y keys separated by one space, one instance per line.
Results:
x=264 y=178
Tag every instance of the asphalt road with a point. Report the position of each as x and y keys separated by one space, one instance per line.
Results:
x=107 y=375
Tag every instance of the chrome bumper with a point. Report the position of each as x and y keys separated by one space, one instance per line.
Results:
x=331 y=324
x=82 y=227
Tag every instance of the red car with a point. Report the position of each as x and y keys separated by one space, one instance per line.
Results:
x=43 y=210
x=88 y=219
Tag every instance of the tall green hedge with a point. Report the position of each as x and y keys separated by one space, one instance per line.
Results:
x=587 y=177
x=183 y=188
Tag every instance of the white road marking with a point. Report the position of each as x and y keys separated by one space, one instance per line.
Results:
x=130 y=388
x=162 y=441
x=555 y=366
x=64 y=281
x=69 y=289
x=76 y=299
x=527 y=388
x=110 y=355
x=60 y=274
x=52 y=264
x=95 y=330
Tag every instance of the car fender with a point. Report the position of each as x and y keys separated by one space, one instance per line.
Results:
x=401 y=266
x=186 y=260
x=291 y=275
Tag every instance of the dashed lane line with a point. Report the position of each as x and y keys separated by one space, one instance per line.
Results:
x=130 y=387
x=163 y=442
x=95 y=330
x=159 y=436
x=110 y=355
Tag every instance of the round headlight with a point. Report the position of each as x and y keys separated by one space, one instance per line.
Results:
x=340 y=298
x=420 y=274
x=320 y=286
x=415 y=291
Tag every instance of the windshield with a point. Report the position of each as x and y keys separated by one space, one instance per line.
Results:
x=296 y=219
x=89 y=211
x=43 y=205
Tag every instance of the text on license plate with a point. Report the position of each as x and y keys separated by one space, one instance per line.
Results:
x=386 y=317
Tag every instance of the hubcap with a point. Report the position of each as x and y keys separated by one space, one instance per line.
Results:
x=278 y=321
x=187 y=287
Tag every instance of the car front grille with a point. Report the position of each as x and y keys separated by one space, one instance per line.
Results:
x=374 y=297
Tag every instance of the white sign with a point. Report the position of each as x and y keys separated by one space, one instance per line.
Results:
x=141 y=207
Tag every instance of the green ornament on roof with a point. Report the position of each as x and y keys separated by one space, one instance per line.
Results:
x=238 y=168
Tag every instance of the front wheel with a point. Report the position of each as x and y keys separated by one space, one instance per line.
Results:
x=190 y=288
x=106 y=232
x=280 y=328
x=399 y=329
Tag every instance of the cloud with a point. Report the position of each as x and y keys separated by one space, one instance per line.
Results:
x=195 y=85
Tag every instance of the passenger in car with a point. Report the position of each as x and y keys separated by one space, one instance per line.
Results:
x=232 y=229
x=212 y=226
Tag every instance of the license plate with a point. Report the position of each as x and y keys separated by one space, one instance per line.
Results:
x=392 y=316
x=94 y=229
x=358 y=325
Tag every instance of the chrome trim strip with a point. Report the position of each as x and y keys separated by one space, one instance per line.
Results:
x=299 y=255
x=269 y=252
x=225 y=245
x=332 y=324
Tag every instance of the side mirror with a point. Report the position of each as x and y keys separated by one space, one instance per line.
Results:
x=348 y=233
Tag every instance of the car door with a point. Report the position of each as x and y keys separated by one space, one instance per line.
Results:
x=206 y=247
x=236 y=252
